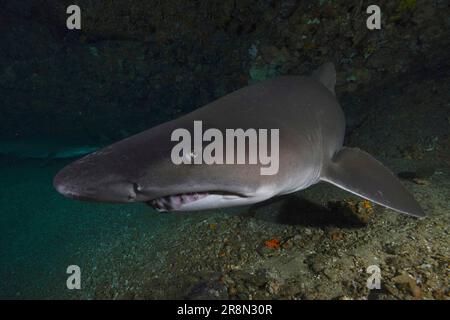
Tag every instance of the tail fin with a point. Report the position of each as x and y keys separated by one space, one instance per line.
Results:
x=358 y=172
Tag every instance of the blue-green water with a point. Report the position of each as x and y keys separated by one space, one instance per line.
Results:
x=41 y=233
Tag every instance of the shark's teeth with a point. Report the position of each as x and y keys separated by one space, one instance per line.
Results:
x=174 y=202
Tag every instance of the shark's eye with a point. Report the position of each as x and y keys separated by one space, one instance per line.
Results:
x=136 y=187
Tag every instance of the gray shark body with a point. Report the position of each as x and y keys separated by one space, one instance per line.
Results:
x=311 y=132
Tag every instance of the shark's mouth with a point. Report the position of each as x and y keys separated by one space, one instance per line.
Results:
x=177 y=201
x=174 y=202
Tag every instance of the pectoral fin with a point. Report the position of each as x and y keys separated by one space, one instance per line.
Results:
x=358 y=172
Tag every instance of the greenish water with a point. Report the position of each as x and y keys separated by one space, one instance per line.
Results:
x=42 y=233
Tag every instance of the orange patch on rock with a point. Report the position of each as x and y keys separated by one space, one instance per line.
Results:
x=272 y=243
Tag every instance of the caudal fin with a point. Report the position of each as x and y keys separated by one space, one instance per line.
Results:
x=358 y=172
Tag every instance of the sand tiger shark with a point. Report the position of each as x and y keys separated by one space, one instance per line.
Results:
x=311 y=134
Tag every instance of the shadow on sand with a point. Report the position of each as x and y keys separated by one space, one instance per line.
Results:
x=296 y=210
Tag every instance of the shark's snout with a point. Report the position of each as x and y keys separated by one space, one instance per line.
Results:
x=65 y=189
x=94 y=190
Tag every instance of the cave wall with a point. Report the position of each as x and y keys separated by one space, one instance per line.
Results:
x=138 y=63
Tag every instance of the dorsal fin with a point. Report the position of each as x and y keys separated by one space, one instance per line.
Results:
x=326 y=74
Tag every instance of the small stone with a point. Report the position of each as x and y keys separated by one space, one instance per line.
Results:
x=232 y=291
x=421 y=182
x=356 y=211
x=408 y=282
x=273 y=287
x=212 y=226
x=336 y=235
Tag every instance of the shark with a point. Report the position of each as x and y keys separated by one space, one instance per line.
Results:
x=311 y=126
